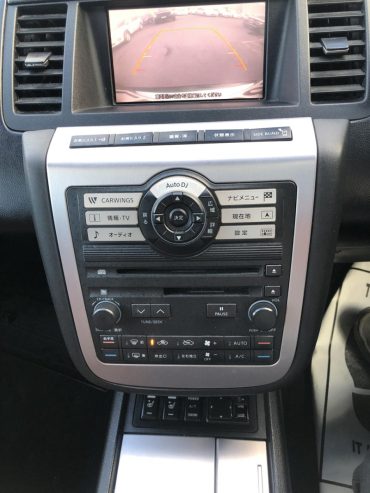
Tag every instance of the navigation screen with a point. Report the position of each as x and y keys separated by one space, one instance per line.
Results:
x=207 y=52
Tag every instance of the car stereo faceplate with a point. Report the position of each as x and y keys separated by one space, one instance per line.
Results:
x=185 y=263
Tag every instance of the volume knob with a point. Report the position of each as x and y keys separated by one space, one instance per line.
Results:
x=106 y=315
x=263 y=314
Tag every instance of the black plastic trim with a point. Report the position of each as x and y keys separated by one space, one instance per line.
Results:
x=88 y=98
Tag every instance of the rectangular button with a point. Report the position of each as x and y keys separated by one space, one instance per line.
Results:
x=259 y=196
x=264 y=342
x=101 y=140
x=240 y=409
x=162 y=342
x=181 y=137
x=133 y=139
x=171 y=408
x=237 y=342
x=193 y=409
x=272 y=291
x=135 y=355
x=114 y=218
x=248 y=215
x=237 y=357
x=133 y=342
x=273 y=270
x=112 y=199
x=220 y=409
x=141 y=310
x=224 y=135
x=187 y=357
x=212 y=342
x=110 y=355
x=161 y=311
x=212 y=357
x=263 y=357
x=150 y=409
x=222 y=310
x=119 y=235
x=251 y=232
x=273 y=133
x=160 y=356
x=109 y=342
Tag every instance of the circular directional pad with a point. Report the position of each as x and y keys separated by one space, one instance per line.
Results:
x=182 y=221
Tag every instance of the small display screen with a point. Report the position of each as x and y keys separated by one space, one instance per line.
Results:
x=208 y=52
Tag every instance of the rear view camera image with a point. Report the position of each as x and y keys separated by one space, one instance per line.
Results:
x=208 y=52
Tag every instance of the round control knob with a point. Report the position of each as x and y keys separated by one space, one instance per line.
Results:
x=106 y=315
x=263 y=314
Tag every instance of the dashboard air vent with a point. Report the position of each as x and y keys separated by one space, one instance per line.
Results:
x=337 y=31
x=38 y=58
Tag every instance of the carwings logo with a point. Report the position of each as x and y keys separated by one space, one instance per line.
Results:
x=93 y=200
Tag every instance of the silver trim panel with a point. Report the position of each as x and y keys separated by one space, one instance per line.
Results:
x=241 y=462
x=166 y=464
x=220 y=163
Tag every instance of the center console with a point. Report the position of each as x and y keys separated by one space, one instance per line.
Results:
x=187 y=205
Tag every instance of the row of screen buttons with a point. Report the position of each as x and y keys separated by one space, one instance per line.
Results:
x=129 y=217
x=186 y=342
x=184 y=357
x=183 y=137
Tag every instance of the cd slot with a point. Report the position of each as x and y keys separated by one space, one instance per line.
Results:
x=246 y=270
x=199 y=280
x=255 y=291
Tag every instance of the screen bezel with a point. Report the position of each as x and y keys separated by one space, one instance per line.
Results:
x=195 y=101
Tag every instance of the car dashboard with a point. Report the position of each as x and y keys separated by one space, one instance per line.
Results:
x=192 y=174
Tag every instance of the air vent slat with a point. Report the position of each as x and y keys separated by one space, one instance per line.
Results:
x=334 y=15
x=337 y=30
x=39 y=87
x=32 y=45
x=337 y=88
x=39 y=58
x=41 y=30
x=41 y=17
x=39 y=101
x=328 y=74
x=331 y=2
x=337 y=59
x=38 y=73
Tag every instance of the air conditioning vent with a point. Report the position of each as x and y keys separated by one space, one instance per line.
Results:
x=337 y=31
x=38 y=58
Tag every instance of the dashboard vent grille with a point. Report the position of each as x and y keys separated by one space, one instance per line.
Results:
x=38 y=58
x=337 y=30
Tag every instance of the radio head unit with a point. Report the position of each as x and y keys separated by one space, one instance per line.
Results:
x=184 y=248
